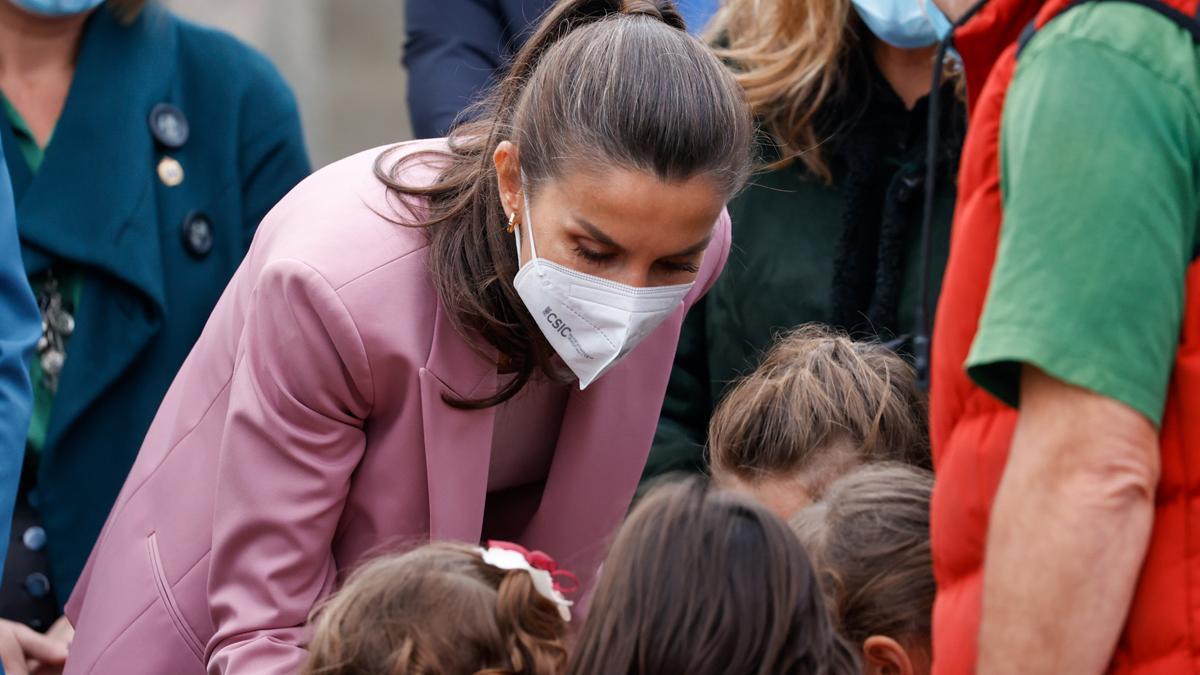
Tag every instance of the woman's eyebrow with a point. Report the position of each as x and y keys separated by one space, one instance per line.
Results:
x=597 y=234
x=693 y=249
x=600 y=236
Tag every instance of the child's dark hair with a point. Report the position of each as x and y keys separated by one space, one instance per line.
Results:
x=707 y=583
x=599 y=84
x=819 y=403
x=869 y=540
x=437 y=609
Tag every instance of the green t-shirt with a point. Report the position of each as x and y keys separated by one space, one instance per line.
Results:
x=1100 y=176
x=72 y=285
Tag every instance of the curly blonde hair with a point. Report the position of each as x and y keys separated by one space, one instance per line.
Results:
x=791 y=58
x=438 y=609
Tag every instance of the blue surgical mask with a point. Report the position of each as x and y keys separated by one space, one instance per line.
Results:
x=907 y=24
x=57 y=7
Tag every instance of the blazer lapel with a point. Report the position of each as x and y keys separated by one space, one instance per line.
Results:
x=458 y=443
x=606 y=435
x=87 y=202
x=92 y=203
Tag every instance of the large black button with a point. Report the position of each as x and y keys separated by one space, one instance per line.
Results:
x=169 y=125
x=37 y=585
x=197 y=233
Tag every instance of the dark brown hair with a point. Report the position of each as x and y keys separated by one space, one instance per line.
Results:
x=601 y=83
x=437 y=609
x=817 y=402
x=869 y=540
x=707 y=583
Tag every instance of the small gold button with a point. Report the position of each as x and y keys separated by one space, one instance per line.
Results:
x=170 y=171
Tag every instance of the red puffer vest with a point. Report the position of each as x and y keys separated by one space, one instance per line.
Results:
x=971 y=431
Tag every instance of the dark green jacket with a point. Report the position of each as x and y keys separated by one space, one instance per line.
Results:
x=787 y=228
x=97 y=203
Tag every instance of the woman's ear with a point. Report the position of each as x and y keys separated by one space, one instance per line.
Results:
x=507 y=159
x=884 y=656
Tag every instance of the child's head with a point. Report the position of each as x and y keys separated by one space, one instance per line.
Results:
x=437 y=609
x=707 y=583
x=818 y=405
x=869 y=540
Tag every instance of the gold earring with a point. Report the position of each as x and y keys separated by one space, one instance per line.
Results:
x=512 y=222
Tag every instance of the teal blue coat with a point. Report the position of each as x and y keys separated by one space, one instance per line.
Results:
x=97 y=202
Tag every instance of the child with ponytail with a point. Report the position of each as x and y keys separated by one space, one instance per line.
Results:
x=445 y=608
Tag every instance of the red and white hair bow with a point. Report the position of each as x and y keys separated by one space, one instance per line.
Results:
x=548 y=580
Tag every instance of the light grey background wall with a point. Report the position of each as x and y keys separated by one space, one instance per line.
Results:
x=341 y=57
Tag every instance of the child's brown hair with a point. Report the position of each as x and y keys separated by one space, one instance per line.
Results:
x=869 y=540
x=818 y=404
x=707 y=582
x=437 y=609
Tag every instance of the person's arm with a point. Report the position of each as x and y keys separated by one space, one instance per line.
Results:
x=1070 y=526
x=272 y=157
x=452 y=51
x=20 y=328
x=298 y=399
x=1080 y=332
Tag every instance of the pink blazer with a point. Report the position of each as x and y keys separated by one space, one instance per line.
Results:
x=307 y=428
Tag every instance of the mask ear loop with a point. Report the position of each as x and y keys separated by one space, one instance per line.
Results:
x=527 y=221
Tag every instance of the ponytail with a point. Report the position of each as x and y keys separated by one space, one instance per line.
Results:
x=437 y=609
x=532 y=628
x=661 y=10
x=565 y=16
x=613 y=83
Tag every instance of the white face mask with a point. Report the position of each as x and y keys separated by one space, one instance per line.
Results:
x=591 y=322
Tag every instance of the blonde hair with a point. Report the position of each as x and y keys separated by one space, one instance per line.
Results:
x=437 y=609
x=819 y=400
x=791 y=58
x=869 y=541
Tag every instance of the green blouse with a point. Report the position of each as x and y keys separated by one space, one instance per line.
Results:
x=71 y=279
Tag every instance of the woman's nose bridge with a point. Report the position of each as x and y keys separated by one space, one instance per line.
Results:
x=637 y=273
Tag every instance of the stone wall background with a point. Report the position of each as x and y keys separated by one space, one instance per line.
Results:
x=341 y=57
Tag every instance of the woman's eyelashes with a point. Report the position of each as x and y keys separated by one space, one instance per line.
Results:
x=680 y=267
x=593 y=256
x=604 y=258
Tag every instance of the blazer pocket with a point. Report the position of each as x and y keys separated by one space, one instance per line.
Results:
x=168 y=599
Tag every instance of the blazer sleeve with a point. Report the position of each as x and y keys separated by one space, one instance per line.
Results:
x=272 y=157
x=300 y=392
x=452 y=50
x=20 y=328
